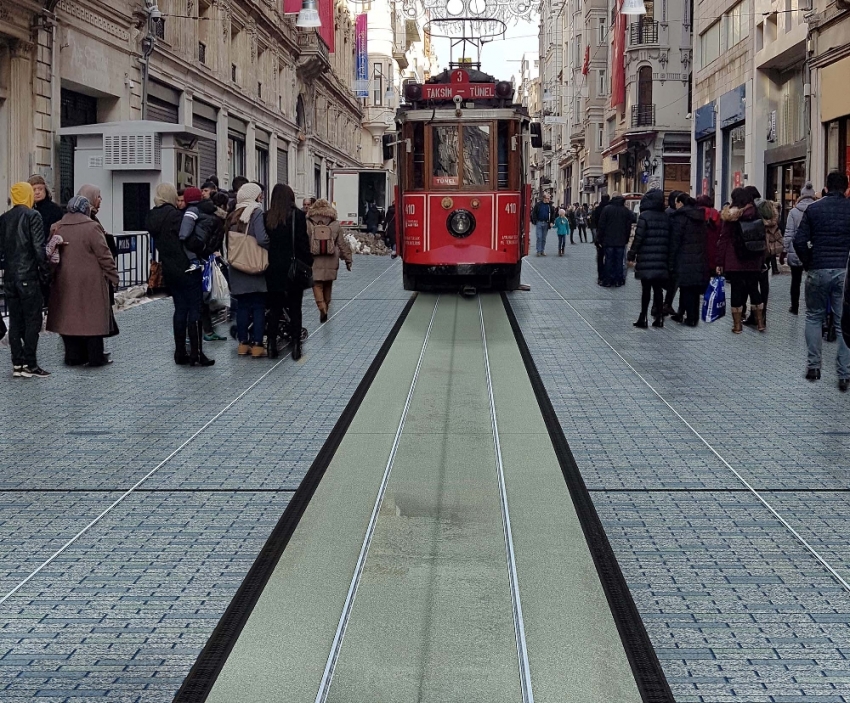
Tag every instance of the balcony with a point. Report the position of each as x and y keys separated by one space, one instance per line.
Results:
x=643 y=115
x=314 y=58
x=643 y=33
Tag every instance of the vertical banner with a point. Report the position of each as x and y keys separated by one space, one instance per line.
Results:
x=361 y=56
x=291 y=7
x=618 y=66
x=327 y=31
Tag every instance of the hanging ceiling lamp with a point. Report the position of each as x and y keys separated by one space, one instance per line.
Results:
x=633 y=7
x=308 y=15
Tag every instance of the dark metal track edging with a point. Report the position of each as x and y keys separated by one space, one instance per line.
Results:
x=203 y=674
x=646 y=668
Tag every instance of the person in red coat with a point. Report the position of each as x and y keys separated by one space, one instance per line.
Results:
x=712 y=231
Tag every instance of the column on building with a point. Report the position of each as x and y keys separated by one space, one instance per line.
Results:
x=21 y=110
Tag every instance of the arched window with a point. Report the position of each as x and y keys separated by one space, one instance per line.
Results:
x=645 y=85
x=300 y=117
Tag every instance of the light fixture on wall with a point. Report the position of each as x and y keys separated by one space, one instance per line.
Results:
x=650 y=166
x=308 y=16
x=633 y=7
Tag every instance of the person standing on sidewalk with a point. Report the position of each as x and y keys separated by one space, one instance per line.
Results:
x=328 y=246
x=615 y=228
x=822 y=242
x=687 y=257
x=807 y=197
x=562 y=229
x=542 y=217
x=581 y=222
x=50 y=212
x=594 y=230
x=25 y=269
x=651 y=250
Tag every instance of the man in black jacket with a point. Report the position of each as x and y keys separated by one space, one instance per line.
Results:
x=594 y=230
x=822 y=243
x=615 y=228
x=25 y=268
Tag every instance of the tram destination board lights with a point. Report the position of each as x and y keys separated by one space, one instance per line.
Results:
x=308 y=16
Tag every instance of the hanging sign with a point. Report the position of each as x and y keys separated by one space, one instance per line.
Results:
x=459 y=86
x=361 y=55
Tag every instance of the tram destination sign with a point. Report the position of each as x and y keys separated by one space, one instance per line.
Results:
x=467 y=91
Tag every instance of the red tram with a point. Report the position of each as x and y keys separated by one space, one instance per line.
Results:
x=463 y=198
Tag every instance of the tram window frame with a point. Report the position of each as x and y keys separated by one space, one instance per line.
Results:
x=468 y=145
x=507 y=131
x=460 y=185
x=416 y=133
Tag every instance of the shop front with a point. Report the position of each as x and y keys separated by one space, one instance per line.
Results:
x=705 y=129
x=835 y=115
x=734 y=129
x=785 y=174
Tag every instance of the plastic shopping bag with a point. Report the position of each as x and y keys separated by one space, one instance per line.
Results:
x=220 y=293
x=207 y=279
x=714 y=300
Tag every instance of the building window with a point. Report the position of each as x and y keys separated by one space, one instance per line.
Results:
x=233 y=72
x=709 y=44
x=202 y=52
x=736 y=24
x=602 y=83
x=579 y=55
x=378 y=85
x=259 y=90
x=601 y=32
x=600 y=137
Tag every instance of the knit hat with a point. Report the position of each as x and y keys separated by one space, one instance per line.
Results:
x=192 y=195
x=808 y=190
x=22 y=194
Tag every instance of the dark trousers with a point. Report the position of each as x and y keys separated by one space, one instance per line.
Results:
x=745 y=284
x=83 y=350
x=24 y=303
x=615 y=274
x=206 y=318
x=689 y=302
x=188 y=298
x=600 y=263
x=796 y=280
x=655 y=287
x=671 y=288
x=291 y=300
x=582 y=232
x=764 y=284
x=251 y=309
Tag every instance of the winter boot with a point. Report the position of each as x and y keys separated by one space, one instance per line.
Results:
x=737 y=320
x=761 y=324
x=751 y=318
x=296 y=349
x=181 y=358
x=641 y=322
x=273 y=350
x=196 y=350
x=658 y=321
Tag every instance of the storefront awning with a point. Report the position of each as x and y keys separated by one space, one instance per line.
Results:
x=618 y=146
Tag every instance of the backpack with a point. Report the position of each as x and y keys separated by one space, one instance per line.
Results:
x=752 y=236
x=322 y=241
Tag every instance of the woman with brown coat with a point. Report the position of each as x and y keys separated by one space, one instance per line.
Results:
x=328 y=246
x=79 y=307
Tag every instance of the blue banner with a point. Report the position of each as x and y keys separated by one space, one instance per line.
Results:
x=361 y=56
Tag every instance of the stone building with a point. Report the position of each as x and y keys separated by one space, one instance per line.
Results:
x=260 y=97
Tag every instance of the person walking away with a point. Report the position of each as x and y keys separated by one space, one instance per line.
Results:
x=739 y=256
x=328 y=246
x=581 y=222
x=25 y=270
x=792 y=224
x=80 y=309
x=50 y=212
x=670 y=286
x=600 y=250
x=651 y=250
x=688 y=258
x=562 y=229
x=571 y=218
x=542 y=217
x=769 y=213
x=390 y=230
x=288 y=241
x=372 y=219
x=822 y=243
x=249 y=289
x=163 y=223
x=615 y=229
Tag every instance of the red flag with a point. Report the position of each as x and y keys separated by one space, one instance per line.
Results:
x=291 y=7
x=618 y=66
x=586 y=68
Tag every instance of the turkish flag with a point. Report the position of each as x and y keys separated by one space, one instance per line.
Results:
x=291 y=7
x=586 y=68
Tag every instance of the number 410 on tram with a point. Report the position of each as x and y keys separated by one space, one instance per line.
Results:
x=464 y=201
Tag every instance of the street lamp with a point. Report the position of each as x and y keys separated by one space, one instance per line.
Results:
x=308 y=16
x=633 y=7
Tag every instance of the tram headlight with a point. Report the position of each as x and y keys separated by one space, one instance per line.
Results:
x=461 y=223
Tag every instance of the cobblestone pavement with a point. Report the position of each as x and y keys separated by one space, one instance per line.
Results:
x=659 y=421
x=121 y=612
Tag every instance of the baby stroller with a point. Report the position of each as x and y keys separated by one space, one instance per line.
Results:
x=283 y=336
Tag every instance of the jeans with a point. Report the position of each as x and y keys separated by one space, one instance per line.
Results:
x=824 y=287
x=582 y=232
x=562 y=242
x=250 y=308
x=24 y=302
x=542 y=230
x=188 y=298
x=796 y=280
x=615 y=273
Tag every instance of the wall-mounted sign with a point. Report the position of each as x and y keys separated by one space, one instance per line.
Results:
x=771 y=126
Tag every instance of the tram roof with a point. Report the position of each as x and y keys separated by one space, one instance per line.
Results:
x=469 y=114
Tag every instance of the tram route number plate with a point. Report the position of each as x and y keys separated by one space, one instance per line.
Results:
x=467 y=91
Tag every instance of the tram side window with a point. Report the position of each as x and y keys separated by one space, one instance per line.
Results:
x=504 y=150
x=445 y=154
x=476 y=155
x=418 y=155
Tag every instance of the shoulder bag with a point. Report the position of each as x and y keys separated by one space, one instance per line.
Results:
x=244 y=254
x=300 y=274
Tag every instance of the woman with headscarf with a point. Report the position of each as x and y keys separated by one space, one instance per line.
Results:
x=249 y=289
x=186 y=288
x=288 y=241
x=79 y=307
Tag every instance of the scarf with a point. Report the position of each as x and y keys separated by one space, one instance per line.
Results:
x=246 y=199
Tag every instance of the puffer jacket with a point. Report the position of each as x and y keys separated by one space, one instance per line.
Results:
x=773 y=235
x=688 y=246
x=822 y=240
x=163 y=223
x=727 y=245
x=615 y=224
x=22 y=253
x=792 y=224
x=325 y=266
x=651 y=245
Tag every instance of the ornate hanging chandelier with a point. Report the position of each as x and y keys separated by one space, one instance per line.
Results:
x=458 y=11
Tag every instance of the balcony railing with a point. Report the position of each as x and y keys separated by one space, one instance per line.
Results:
x=643 y=115
x=643 y=33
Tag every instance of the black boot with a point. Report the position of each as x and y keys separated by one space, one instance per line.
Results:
x=181 y=358
x=196 y=351
x=273 y=350
x=296 y=348
x=659 y=321
x=641 y=322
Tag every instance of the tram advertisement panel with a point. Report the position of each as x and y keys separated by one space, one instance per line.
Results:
x=413 y=222
x=508 y=213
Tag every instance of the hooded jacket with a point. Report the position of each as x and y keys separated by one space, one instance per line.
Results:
x=325 y=266
x=773 y=235
x=22 y=241
x=615 y=223
x=202 y=230
x=163 y=223
x=792 y=224
x=727 y=244
x=688 y=246
x=825 y=227
x=651 y=245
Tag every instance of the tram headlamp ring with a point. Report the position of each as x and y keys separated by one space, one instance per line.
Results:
x=461 y=223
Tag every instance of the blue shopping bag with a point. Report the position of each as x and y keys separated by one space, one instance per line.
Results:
x=714 y=300
x=208 y=274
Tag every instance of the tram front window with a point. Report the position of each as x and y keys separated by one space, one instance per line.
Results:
x=445 y=145
x=418 y=156
x=476 y=155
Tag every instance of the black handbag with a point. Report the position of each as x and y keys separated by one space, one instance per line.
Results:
x=300 y=274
